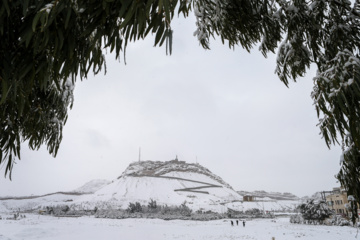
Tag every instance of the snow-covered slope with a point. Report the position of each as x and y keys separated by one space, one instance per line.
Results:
x=92 y=186
x=172 y=183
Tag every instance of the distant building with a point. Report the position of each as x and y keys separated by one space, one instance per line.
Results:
x=337 y=201
x=248 y=198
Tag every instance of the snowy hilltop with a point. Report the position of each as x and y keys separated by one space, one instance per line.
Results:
x=158 y=168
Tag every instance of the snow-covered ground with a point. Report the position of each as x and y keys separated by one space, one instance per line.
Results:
x=87 y=228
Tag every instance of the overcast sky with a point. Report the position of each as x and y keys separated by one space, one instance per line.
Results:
x=224 y=108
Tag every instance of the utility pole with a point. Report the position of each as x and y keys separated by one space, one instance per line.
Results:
x=139 y=154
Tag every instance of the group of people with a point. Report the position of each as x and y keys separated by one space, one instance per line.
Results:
x=237 y=223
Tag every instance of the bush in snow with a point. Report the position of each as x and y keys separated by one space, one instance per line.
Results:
x=253 y=211
x=338 y=221
x=152 y=204
x=344 y=222
x=65 y=208
x=165 y=209
x=296 y=219
x=314 y=211
x=184 y=210
x=134 y=207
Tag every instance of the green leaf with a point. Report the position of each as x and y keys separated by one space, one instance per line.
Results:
x=129 y=15
x=159 y=33
x=6 y=5
x=9 y=166
x=170 y=41
x=25 y=7
x=148 y=6
x=67 y=17
x=28 y=36
x=124 y=6
x=167 y=11
x=44 y=20
x=25 y=71
x=160 y=7
x=165 y=36
x=61 y=38
x=5 y=91
x=35 y=21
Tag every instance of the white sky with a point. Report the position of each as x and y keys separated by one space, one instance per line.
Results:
x=226 y=108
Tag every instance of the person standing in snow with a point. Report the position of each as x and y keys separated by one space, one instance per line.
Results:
x=232 y=223
x=237 y=222
x=244 y=223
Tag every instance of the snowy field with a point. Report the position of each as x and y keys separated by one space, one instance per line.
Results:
x=87 y=228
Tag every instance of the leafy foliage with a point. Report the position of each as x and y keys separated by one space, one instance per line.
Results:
x=65 y=209
x=184 y=209
x=315 y=211
x=253 y=211
x=297 y=218
x=152 y=204
x=47 y=45
x=134 y=207
x=152 y=207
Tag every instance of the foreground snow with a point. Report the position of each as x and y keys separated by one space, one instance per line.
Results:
x=87 y=228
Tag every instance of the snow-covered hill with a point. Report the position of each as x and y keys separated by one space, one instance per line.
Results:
x=171 y=182
x=168 y=183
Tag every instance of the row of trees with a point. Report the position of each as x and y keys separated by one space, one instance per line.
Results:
x=47 y=45
x=151 y=210
x=152 y=207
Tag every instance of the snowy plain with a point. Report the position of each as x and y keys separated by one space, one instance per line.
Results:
x=88 y=228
